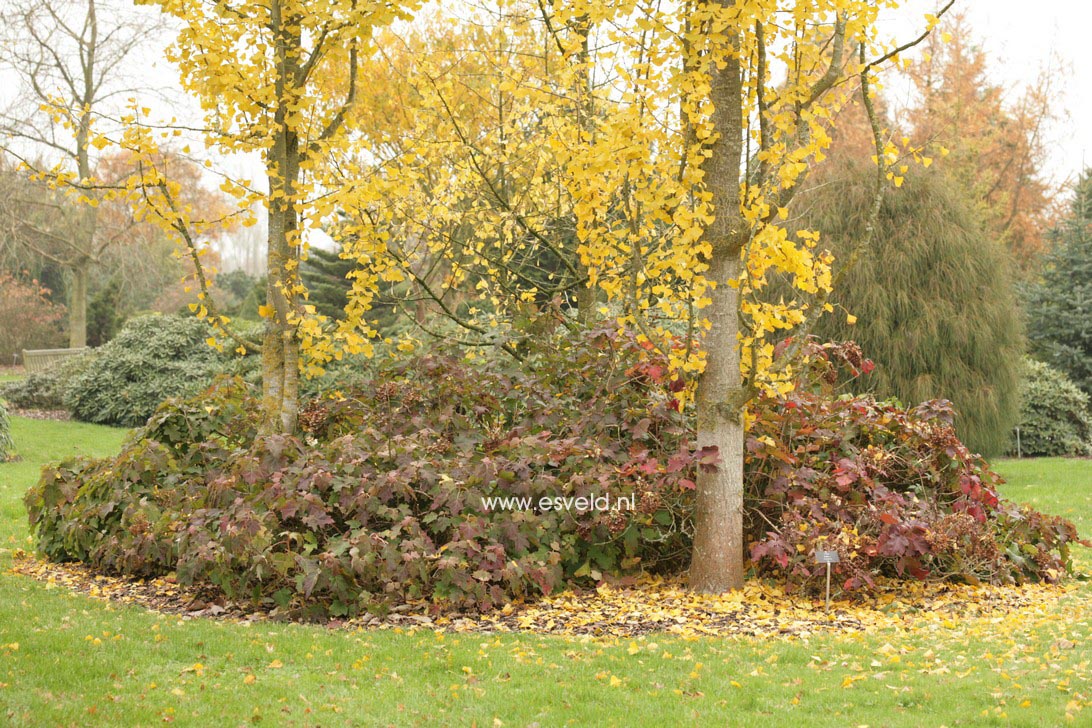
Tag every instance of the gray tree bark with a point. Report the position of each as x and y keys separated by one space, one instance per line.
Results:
x=717 y=561
x=280 y=348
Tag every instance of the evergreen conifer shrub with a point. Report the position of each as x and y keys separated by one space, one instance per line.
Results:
x=1059 y=303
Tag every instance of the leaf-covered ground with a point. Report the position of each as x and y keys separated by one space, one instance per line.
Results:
x=620 y=656
x=646 y=607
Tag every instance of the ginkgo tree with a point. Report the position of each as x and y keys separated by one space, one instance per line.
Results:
x=716 y=111
x=679 y=135
x=463 y=136
x=676 y=138
x=678 y=166
x=262 y=72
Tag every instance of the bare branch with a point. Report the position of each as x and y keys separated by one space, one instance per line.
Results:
x=910 y=44
x=178 y=224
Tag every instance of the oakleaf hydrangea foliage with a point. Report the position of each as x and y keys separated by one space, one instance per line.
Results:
x=381 y=498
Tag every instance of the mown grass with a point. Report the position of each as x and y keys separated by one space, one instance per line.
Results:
x=1054 y=485
x=12 y=373
x=80 y=661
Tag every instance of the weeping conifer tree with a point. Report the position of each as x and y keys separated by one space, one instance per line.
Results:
x=932 y=294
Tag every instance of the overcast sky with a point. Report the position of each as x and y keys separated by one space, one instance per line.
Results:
x=1021 y=37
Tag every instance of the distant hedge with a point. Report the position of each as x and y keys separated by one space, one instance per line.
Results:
x=153 y=358
x=45 y=390
x=1054 y=415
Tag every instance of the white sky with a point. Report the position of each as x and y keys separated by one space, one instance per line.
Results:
x=1020 y=37
x=1023 y=37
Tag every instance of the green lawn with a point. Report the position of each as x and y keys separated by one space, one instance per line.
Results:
x=73 y=660
x=1054 y=485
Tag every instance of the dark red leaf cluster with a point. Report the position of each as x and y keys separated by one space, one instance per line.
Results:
x=892 y=489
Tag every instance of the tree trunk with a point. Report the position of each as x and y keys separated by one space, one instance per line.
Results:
x=280 y=348
x=77 y=296
x=717 y=561
x=84 y=259
x=77 y=305
x=272 y=346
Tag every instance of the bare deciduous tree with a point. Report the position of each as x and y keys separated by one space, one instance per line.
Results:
x=71 y=59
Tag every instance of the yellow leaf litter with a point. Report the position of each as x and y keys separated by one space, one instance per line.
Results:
x=649 y=605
